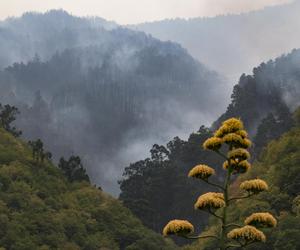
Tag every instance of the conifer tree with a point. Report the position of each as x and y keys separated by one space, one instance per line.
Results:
x=230 y=141
x=7 y=117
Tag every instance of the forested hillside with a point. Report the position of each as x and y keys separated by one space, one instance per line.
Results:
x=264 y=101
x=106 y=93
x=41 y=209
x=233 y=44
x=280 y=167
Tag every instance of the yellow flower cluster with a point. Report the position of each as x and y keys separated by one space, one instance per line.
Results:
x=201 y=172
x=261 y=220
x=234 y=124
x=210 y=200
x=242 y=133
x=243 y=166
x=237 y=167
x=178 y=227
x=231 y=125
x=254 y=186
x=239 y=154
x=233 y=138
x=246 y=143
x=233 y=164
x=247 y=233
x=213 y=143
x=232 y=133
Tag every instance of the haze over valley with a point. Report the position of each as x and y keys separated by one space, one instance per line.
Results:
x=91 y=87
x=149 y=125
x=235 y=43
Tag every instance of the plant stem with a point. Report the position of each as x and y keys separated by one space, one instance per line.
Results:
x=201 y=237
x=214 y=184
x=224 y=217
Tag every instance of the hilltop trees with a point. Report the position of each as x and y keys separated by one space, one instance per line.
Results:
x=272 y=127
x=164 y=174
x=38 y=152
x=73 y=169
x=7 y=117
x=230 y=142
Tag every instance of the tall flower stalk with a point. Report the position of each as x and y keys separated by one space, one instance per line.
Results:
x=231 y=142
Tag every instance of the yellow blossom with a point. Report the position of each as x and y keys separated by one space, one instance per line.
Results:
x=233 y=139
x=261 y=219
x=239 y=153
x=242 y=133
x=234 y=124
x=238 y=167
x=243 y=166
x=178 y=227
x=212 y=143
x=245 y=143
x=201 y=172
x=223 y=130
x=247 y=233
x=233 y=163
x=210 y=200
x=254 y=186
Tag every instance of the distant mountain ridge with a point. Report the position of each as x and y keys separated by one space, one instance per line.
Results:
x=44 y=34
x=233 y=44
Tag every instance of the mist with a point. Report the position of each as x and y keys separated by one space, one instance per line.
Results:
x=95 y=89
x=233 y=44
x=106 y=93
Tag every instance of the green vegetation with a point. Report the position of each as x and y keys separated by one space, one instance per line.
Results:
x=260 y=100
x=279 y=165
x=41 y=209
x=165 y=173
x=73 y=169
x=230 y=142
x=38 y=152
x=7 y=117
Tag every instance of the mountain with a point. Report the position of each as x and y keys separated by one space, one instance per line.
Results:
x=279 y=166
x=41 y=209
x=105 y=93
x=264 y=101
x=44 y=34
x=233 y=44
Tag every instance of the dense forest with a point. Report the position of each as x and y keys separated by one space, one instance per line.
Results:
x=263 y=101
x=108 y=97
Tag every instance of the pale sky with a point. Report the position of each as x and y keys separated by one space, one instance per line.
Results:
x=136 y=11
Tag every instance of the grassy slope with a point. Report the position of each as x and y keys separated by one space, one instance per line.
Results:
x=40 y=209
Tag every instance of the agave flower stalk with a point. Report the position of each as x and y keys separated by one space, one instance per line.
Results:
x=234 y=138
